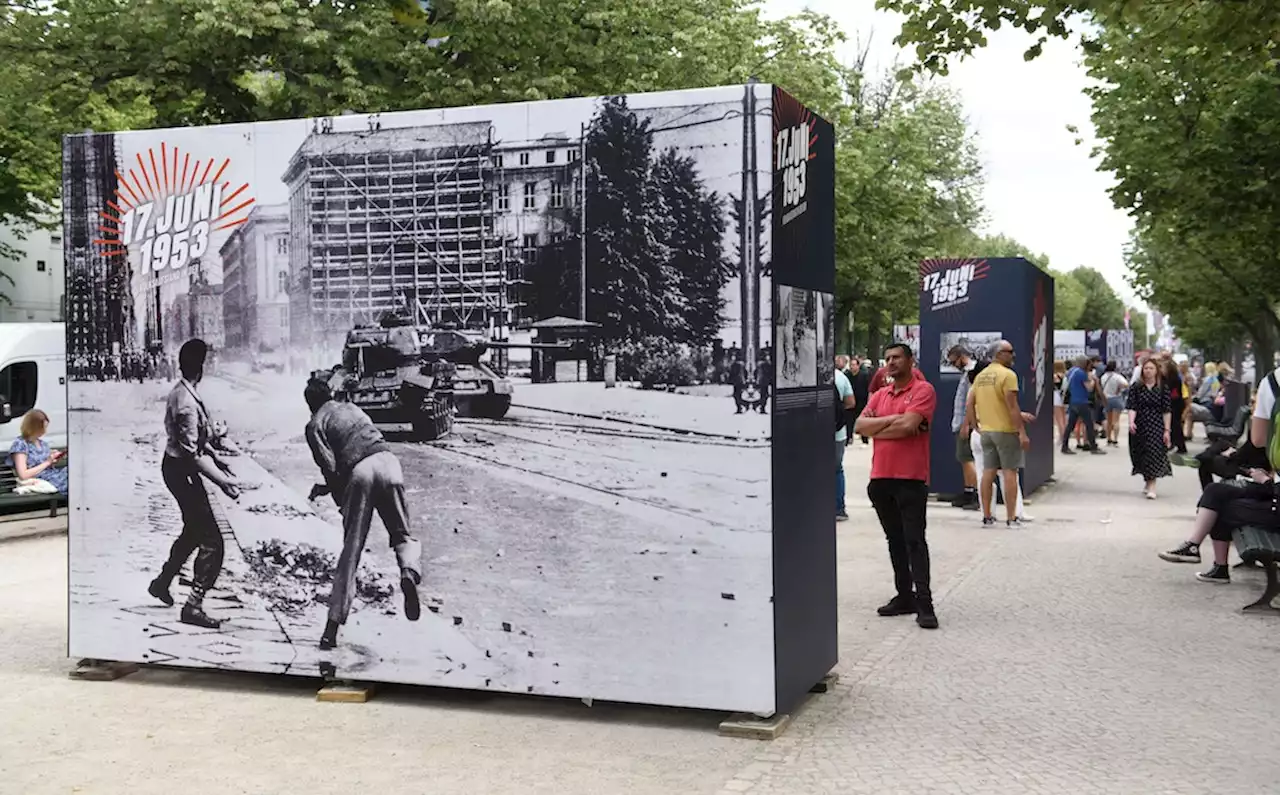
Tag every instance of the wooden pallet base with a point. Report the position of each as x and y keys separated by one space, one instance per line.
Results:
x=345 y=693
x=828 y=682
x=102 y=670
x=751 y=727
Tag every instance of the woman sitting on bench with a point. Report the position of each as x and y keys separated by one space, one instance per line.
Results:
x=30 y=456
x=1224 y=508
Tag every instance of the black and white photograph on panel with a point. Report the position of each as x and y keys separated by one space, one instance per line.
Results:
x=826 y=328
x=367 y=396
x=796 y=329
x=976 y=343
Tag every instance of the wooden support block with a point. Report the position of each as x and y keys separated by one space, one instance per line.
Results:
x=825 y=684
x=345 y=693
x=102 y=670
x=751 y=727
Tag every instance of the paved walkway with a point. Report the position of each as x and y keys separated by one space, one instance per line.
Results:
x=1070 y=660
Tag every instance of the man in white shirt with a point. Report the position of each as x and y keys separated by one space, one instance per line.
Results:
x=1263 y=410
x=845 y=390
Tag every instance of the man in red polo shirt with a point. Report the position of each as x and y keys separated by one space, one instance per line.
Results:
x=897 y=417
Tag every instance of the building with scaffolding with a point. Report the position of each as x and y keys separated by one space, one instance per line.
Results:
x=100 y=304
x=388 y=219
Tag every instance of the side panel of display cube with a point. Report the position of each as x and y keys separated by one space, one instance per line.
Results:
x=805 y=449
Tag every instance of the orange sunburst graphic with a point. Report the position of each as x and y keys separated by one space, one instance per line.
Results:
x=166 y=205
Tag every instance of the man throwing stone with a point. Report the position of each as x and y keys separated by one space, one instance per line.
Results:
x=897 y=417
x=362 y=475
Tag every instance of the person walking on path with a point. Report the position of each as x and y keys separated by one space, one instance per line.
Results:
x=189 y=460
x=959 y=359
x=993 y=409
x=1114 y=386
x=844 y=391
x=1080 y=385
x=897 y=417
x=1149 y=428
x=1059 y=403
x=1177 y=406
x=362 y=475
x=861 y=390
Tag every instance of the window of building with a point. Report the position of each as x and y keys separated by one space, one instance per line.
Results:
x=551 y=156
x=529 y=252
x=557 y=195
x=284 y=317
x=530 y=195
x=41 y=266
x=503 y=200
x=55 y=241
x=17 y=390
x=573 y=155
x=557 y=237
x=282 y=245
x=497 y=161
x=282 y=282
x=524 y=158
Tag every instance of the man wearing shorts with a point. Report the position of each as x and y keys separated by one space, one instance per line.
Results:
x=993 y=409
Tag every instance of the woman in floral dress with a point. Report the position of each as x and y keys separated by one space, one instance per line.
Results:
x=1149 y=418
x=30 y=456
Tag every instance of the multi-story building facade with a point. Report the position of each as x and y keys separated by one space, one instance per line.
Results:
x=390 y=218
x=100 y=315
x=255 y=281
x=38 y=290
x=536 y=188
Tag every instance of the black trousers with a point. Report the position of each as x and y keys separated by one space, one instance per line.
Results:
x=199 y=527
x=1080 y=412
x=900 y=504
x=1252 y=504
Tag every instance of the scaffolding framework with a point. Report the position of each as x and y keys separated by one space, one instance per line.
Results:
x=390 y=218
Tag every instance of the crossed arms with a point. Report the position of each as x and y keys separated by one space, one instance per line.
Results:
x=895 y=426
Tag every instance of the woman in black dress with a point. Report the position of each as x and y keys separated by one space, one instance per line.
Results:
x=1149 y=418
x=1177 y=406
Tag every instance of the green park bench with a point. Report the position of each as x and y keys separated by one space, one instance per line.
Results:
x=1257 y=545
x=10 y=500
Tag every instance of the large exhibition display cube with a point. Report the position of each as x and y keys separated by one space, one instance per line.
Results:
x=427 y=514
x=974 y=303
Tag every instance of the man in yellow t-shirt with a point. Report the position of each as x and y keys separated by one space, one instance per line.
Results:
x=993 y=410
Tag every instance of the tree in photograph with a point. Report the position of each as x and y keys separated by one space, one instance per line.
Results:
x=695 y=239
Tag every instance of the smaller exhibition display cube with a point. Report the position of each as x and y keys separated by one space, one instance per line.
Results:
x=975 y=303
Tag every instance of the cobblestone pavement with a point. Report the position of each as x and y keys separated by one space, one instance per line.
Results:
x=1070 y=660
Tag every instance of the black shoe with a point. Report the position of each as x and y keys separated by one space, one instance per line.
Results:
x=1095 y=450
x=160 y=591
x=329 y=639
x=1186 y=553
x=196 y=617
x=1067 y=451
x=841 y=516
x=988 y=521
x=899 y=605
x=1218 y=575
x=1013 y=524
x=973 y=505
x=959 y=500
x=412 y=607
x=925 y=617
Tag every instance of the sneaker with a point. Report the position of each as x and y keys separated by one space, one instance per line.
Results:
x=1067 y=451
x=1151 y=495
x=1013 y=524
x=160 y=591
x=974 y=505
x=1218 y=575
x=988 y=521
x=925 y=617
x=409 y=587
x=841 y=516
x=1186 y=553
x=1097 y=451
x=899 y=605
x=1026 y=518
x=196 y=617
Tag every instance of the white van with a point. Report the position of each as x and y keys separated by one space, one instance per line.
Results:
x=33 y=374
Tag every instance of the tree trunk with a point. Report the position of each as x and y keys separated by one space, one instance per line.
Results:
x=1264 y=350
x=875 y=334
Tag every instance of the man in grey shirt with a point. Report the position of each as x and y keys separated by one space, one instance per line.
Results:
x=362 y=475
x=959 y=358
